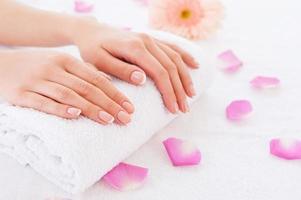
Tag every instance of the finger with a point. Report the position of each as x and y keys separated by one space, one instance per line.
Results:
x=103 y=89
x=172 y=70
x=44 y=104
x=187 y=58
x=67 y=96
x=183 y=70
x=121 y=69
x=96 y=70
x=143 y=58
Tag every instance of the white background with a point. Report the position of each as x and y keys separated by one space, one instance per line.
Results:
x=236 y=162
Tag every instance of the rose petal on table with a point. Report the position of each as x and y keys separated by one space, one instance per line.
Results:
x=232 y=62
x=83 y=7
x=265 y=82
x=182 y=153
x=238 y=109
x=126 y=177
x=289 y=149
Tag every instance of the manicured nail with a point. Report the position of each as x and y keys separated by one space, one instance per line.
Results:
x=186 y=106
x=128 y=107
x=74 y=112
x=176 y=107
x=192 y=90
x=123 y=117
x=197 y=64
x=138 y=77
x=106 y=117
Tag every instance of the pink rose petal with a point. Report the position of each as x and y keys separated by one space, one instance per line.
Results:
x=182 y=153
x=82 y=6
x=143 y=2
x=126 y=177
x=287 y=149
x=238 y=109
x=265 y=82
x=126 y=28
x=233 y=63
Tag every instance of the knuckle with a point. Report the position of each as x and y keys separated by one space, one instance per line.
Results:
x=162 y=74
x=63 y=93
x=136 y=44
x=172 y=69
x=41 y=105
x=111 y=105
x=118 y=96
x=99 y=79
x=145 y=37
x=175 y=56
x=84 y=88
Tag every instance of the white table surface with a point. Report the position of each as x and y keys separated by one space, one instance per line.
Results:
x=236 y=164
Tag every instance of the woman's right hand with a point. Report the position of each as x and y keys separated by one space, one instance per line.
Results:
x=61 y=85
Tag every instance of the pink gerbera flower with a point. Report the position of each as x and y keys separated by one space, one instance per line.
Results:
x=193 y=19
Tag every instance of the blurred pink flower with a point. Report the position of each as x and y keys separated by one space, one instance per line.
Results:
x=193 y=19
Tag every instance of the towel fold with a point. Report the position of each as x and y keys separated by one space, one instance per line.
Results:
x=74 y=154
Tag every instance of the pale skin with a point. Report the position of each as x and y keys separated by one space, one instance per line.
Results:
x=62 y=85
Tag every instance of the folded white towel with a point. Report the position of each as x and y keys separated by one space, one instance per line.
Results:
x=74 y=154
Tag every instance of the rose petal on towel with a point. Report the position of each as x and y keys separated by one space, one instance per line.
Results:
x=83 y=7
x=126 y=177
x=238 y=109
x=233 y=63
x=265 y=82
x=289 y=149
x=182 y=153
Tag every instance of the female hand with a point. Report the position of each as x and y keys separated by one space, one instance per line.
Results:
x=61 y=85
x=129 y=56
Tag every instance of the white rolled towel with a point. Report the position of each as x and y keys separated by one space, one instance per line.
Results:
x=74 y=154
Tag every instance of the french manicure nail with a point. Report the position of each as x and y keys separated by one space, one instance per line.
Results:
x=138 y=77
x=74 y=111
x=128 y=106
x=123 y=117
x=192 y=90
x=176 y=107
x=106 y=117
x=187 y=109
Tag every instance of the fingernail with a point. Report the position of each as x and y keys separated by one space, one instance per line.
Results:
x=74 y=111
x=192 y=90
x=176 y=107
x=187 y=109
x=138 y=77
x=196 y=63
x=128 y=107
x=106 y=117
x=123 y=117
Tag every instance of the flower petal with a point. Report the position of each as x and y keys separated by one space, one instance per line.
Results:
x=238 y=109
x=126 y=177
x=233 y=63
x=265 y=82
x=143 y=2
x=82 y=6
x=182 y=153
x=289 y=149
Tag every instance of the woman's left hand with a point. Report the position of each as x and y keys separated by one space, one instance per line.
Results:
x=131 y=56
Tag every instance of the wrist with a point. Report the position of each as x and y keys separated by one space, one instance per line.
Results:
x=79 y=27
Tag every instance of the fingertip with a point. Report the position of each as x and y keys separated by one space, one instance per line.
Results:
x=138 y=77
x=128 y=107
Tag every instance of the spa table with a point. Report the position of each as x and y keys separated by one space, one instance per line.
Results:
x=236 y=161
